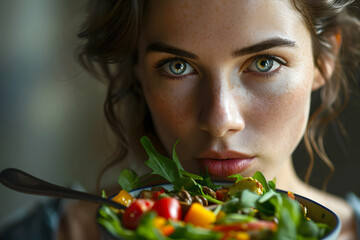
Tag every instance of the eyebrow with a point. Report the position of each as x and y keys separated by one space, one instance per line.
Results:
x=162 y=47
x=258 y=47
x=264 y=45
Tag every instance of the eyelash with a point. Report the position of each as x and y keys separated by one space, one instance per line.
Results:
x=162 y=62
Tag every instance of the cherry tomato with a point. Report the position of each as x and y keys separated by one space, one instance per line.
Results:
x=168 y=208
x=153 y=195
x=135 y=211
x=156 y=194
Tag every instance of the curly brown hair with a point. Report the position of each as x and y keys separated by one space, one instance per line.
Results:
x=109 y=51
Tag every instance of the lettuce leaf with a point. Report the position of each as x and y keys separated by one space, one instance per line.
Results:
x=260 y=177
x=160 y=165
x=172 y=171
x=128 y=180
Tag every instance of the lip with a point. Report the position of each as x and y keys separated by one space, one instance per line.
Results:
x=223 y=164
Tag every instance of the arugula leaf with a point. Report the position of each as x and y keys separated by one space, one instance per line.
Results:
x=260 y=177
x=209 y=183
x=146 y=229
x=236 y=218
x=109 y=220
x=176 y=158
x=294 y=209
x=324 y=229
x=268 y=195
x=182 y=172
x=103 y=194
x=160 y=165
x=171 y=170
x=193 y=176
x=243 y=200
x=237 y=176
x=308 y=228
x=128 y=180
x=270 y=203
x=187 y=183
x=191 y=232
x=248 y=199
x=231 y=205
x=272 y=184
x=210 y=198
x=289 y=218
x=286 y=226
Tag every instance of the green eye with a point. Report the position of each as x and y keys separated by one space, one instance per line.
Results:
x=177 y=67
x=264 y=64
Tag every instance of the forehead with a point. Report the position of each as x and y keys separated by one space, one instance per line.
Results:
x=206 y=23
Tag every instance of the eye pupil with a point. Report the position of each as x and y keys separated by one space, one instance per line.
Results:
x=177 y=67
x=264 y=64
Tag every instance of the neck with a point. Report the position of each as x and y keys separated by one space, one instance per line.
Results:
x=287 y=178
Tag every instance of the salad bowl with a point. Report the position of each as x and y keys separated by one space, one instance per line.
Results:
x=322 y=214
x=316 y=212
x=250 y=207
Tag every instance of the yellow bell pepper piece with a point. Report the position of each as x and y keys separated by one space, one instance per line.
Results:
x=124 y=198
x=199 y=216
x=159 y=222
x=242 y=236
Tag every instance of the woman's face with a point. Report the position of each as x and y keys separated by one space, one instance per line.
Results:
x=231 y=79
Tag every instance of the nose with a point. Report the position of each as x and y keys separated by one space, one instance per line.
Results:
x=220 y=112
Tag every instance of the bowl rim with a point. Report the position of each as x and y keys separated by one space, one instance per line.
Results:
x=337 y=224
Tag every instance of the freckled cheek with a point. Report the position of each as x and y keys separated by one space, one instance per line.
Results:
x=282 y=115
x=171 y=114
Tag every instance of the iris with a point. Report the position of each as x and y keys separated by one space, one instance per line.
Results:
x=264 y=64
x=177 y=67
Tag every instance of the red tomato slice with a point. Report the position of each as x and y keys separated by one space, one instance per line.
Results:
x=168 y=208
x=135 y=211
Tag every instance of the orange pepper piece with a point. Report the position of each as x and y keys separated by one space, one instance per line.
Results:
x=161 y=224
x=199 y=216
x=291 y=195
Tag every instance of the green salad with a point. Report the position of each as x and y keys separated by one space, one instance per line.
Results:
x=197 y=208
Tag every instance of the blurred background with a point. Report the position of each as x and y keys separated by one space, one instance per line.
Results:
x=52 y=121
